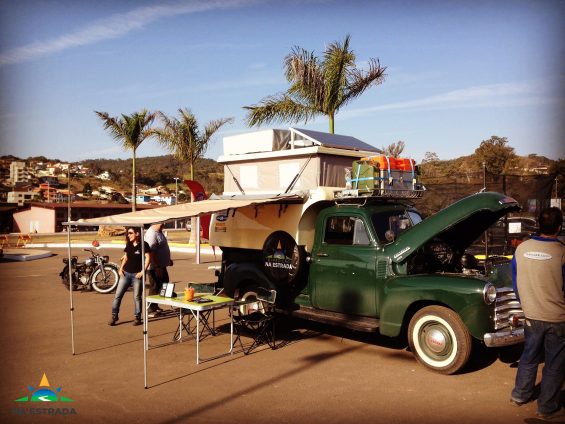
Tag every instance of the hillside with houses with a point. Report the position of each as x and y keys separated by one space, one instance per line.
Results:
x=159 y=180
x=102 y=187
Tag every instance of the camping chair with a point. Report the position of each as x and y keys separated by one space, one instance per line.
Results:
x=23 y=240
x=4 y=241
x=260 y=323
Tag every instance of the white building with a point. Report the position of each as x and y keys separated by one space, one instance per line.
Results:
x=20 y=197
x=18 y=172
x=105 y=176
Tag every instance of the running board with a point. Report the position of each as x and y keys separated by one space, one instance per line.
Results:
x=352 y=322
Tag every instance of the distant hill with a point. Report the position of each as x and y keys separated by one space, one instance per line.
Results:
x=160 y=170
x=151 y=172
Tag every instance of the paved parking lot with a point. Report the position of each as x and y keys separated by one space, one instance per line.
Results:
x=321 y=375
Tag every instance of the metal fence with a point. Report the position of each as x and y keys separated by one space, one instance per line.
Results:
x=533 y=192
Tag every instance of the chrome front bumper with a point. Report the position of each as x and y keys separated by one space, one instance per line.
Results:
x=504 y=337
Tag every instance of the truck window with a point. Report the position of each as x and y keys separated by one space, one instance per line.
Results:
x=346 y=230
x=392 y=223
x=360 y=235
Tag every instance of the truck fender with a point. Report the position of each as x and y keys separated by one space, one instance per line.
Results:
x=406 y=295
x=237 y=274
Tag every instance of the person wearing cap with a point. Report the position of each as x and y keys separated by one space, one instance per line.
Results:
x=160 y=260
x=538 y=274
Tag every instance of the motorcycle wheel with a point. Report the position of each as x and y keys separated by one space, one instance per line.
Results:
x=65 y=278
x=107 y=281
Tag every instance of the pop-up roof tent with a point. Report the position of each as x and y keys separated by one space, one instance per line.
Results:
x=275 y=161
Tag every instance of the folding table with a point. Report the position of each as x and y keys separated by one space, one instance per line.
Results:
x=198 y=311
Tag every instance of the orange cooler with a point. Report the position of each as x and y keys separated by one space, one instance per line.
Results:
x=406 y=164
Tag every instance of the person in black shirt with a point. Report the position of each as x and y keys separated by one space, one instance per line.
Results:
x=131 y=273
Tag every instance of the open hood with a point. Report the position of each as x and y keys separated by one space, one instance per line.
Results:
x=459 y=224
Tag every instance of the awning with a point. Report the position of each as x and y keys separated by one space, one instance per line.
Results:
x=185 y=210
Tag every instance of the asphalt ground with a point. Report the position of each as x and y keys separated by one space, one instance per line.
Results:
x=319 y=374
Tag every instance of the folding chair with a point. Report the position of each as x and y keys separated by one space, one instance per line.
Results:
x=259 y=323
x=4 y=241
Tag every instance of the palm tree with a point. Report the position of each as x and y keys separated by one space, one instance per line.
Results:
x=318 y=87
x=130 y=130
x=182 y=137
x=394 y=149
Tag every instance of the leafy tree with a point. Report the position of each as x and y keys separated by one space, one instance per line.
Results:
x=394 y=149
x=494 y=153
x=430 y=166
x=182 y=137
x=430 y=157
x=318 y=86
x=87 y=189
x=131 y=131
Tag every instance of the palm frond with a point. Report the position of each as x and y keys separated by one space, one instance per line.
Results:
x=214 y=126
x=279 y=109
x=338 y=60
x=303 y=70
x=359 y=81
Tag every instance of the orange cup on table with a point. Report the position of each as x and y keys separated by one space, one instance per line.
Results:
x=188 y=294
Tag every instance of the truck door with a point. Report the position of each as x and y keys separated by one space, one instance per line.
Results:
x=342 y=272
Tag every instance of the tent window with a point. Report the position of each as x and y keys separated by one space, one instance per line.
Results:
x=287 y=172
x=248 y=176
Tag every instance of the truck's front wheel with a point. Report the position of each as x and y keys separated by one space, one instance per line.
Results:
x=439 y=339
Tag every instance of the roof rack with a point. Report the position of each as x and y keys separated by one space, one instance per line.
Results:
x=379 y=193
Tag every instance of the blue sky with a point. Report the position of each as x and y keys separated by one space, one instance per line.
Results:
x=458 y=72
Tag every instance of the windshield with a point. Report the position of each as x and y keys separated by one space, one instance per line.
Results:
x=389 y=224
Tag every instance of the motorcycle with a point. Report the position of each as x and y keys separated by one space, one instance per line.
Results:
x=96 y=272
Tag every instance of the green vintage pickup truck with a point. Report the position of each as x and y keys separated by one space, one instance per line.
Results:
x=373 y=264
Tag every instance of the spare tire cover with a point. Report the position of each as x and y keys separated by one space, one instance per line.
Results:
x=281 y=257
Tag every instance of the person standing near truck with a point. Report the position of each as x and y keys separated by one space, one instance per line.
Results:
x=131 y=273
x=538 y=269
x=160 y=260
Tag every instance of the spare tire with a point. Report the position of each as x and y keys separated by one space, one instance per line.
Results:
x=282 y=257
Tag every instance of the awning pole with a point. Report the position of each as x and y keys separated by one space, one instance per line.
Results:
x=198 y=239
x=71 y=288
x=144 y=306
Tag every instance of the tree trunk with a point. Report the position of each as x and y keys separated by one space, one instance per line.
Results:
x=133 y=187
x=193 y=229
x=331 y=116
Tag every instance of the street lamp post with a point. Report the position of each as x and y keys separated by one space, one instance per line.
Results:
x=176 y=195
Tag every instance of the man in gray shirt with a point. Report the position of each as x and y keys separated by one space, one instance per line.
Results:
x=160 y=260
x=538 y=270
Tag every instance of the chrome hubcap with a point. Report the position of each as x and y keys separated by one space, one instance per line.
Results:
x=436 y=341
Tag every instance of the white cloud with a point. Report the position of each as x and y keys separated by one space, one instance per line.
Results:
x=114 y=26
x=493 y=95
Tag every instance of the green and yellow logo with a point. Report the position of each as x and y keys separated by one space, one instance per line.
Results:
x=43 y=393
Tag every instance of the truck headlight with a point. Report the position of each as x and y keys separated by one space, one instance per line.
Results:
x=489 y=293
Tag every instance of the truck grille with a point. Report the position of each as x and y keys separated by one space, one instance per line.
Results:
x=505 y=306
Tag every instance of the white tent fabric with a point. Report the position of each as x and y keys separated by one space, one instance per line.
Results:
x=185 y=210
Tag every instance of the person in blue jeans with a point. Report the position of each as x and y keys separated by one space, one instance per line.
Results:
x=538 y=270
x=131 y=273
